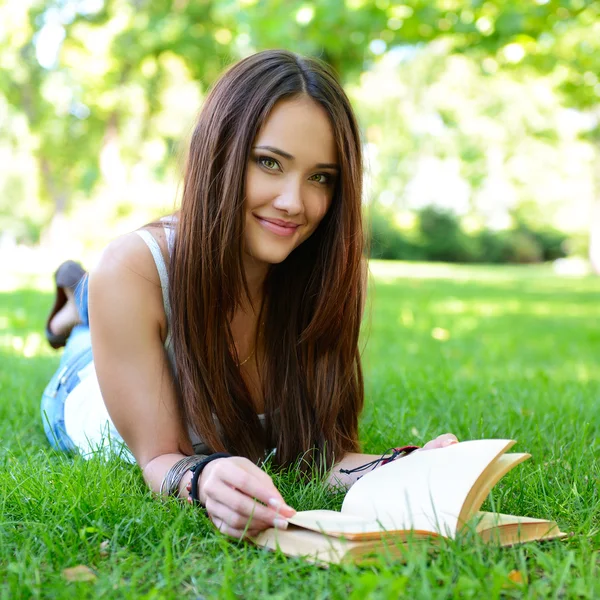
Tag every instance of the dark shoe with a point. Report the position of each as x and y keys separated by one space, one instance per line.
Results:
x=68 y=275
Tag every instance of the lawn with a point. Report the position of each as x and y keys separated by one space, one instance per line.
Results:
x=478 y=351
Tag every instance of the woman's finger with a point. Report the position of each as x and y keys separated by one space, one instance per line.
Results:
x=226 y=529
x=447 y=439
x=233 y=532
x=255 y=487
x=239 y=520
x=221 y=514
x=442 y=441
x=243 y=505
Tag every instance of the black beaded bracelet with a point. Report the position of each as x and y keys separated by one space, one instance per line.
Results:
x=197 y=471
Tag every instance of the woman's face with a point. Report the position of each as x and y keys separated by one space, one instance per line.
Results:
x=290 y=179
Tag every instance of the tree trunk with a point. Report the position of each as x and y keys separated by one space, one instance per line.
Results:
x=58 y=196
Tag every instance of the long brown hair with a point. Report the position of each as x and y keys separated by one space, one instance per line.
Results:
x=311 y=376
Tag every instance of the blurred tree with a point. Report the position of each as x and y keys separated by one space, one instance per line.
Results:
x=107 y=75
x=556 y=37
x=443 y=133
x=65 y=134
x=115 y=57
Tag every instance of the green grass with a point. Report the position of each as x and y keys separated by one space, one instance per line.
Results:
x=479 y=351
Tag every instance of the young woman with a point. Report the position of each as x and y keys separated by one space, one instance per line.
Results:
x=231 y=326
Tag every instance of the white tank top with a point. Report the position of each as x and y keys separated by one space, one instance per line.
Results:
x=87 y=421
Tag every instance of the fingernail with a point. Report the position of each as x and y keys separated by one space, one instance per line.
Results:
x=449 y=443
x=280 y=523
x=278 y=505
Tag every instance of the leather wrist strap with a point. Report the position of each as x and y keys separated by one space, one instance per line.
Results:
x=383 y=460
x=398 y=452
x=197 y=471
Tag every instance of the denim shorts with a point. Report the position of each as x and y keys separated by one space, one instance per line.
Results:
x=76 y=356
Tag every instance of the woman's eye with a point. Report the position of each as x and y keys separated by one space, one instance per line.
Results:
x=322 y=178
x=268 y=163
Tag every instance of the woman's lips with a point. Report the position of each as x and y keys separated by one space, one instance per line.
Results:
x=278 y=229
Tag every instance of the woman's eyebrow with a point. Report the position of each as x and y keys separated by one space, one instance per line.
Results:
x=290 y=157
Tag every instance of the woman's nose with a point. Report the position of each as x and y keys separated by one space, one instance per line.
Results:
x=290 y=198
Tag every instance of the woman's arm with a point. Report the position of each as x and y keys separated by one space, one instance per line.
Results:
x=128 y=328
x=350 y=461
x=353 y=460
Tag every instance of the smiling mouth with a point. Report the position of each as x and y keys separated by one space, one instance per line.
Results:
x=281 y=230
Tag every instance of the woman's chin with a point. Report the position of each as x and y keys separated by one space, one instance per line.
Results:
x=271 y=258
x=267 y=258
x=271 y=253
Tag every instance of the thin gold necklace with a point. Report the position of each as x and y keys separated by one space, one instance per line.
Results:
x=245 y=361
x=251 y=353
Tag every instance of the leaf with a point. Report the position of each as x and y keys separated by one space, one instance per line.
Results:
x=516 y=577
x=79 y=573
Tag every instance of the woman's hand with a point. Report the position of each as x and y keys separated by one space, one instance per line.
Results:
x=441 y=441
x=232 y=490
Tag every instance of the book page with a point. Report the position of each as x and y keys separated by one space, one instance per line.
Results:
x=324 y=549
x=507 y=530
x=425 y=490
x=489 y=478
x=328 y=521
x=333 y=523
x=301 y=542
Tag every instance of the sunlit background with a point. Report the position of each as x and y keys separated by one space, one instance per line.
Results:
x=480 y=119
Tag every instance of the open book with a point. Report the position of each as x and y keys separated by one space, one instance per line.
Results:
x=423 y=495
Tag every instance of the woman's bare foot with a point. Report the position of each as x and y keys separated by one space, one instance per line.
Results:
x=67 y=317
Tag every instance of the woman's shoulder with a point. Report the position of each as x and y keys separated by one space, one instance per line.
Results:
x=128 y=267
x=130 y=254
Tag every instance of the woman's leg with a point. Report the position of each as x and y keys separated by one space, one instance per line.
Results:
x=76 y=356
x=63 y=315
x=79 y=338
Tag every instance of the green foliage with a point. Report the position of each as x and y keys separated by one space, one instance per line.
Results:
x=494 y=247
x=129 y=77
x=24 y=231
x=578 y=245
x=497 y=373
x=521 y=247
x=443 y=238
x=442 y=132
x=439 y=236
x=387 y=242
x=552 y=243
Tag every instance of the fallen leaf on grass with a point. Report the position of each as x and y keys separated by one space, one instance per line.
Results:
x=516 y=577
x=79 y=573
